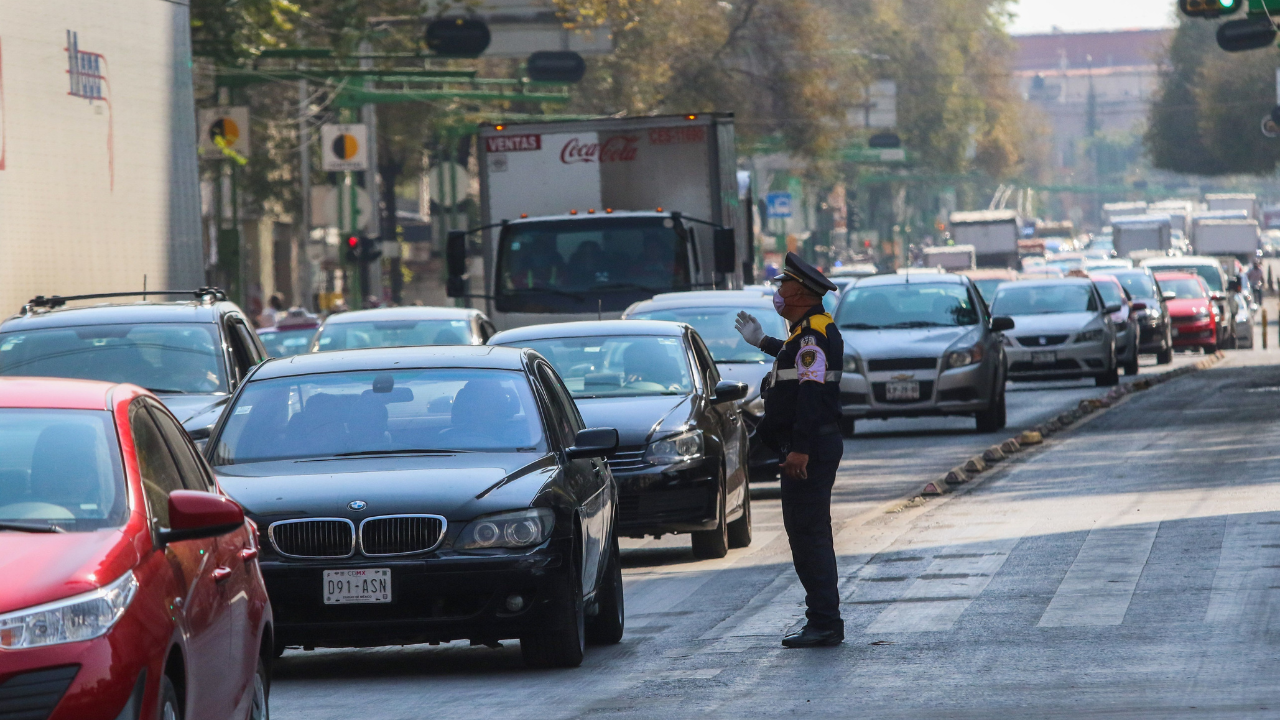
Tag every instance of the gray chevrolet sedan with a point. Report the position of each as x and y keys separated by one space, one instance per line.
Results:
x=921 y=345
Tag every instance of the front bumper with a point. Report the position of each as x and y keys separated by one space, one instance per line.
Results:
x=1194 y=334
x=1066 y=361
x=657 y=500
x=958 y=391
x=437 y=598
x=1151 y=336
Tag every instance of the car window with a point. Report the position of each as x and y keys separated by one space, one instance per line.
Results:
x=908 y=305
x=1183 y=288
x=1139 y=285
x=188 y=465
x=61 y=467
x=380 y=412
x=560 y=407
x=162 y=357
x=247 y=340
x=710 y=373
x=393 y=333
x=716 y=327
x=1110 y=292
x=1029 y=299
x=287 y=343
x=1211 y=275
x=621 y=366
x=241 y=353
x=159 y=473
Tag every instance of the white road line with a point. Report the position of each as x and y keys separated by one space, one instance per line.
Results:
x=1099 y=585
x=1239 y=583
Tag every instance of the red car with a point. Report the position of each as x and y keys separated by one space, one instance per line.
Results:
x=1191 y=310
x=131 y=586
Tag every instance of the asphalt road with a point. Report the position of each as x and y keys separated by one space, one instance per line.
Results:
x=1124 y=569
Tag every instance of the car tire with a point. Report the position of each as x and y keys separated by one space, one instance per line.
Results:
x=1210 y=349
x=713 y=544
x=1131 y=366
x=607 y=626
x=170 y=706
x=1231 y=343
x=1108 y=379
x=1165 y=356
x=995 y=416
x=560 y=640
x=260 y=708
x=740 y=529
x=846 y=426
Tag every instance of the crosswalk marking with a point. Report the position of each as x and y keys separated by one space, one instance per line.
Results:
x=1099 y=585
x=941 y=594
x=1239 y=579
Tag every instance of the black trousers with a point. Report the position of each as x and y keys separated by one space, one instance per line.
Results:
x=806 y=514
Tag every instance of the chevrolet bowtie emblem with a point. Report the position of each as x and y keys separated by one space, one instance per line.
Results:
x=904 y=376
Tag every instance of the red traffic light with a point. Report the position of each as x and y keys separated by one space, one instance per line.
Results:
x=353 y=242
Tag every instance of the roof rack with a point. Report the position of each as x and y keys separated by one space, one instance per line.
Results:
x=204 y=294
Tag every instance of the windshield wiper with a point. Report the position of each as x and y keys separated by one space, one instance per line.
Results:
x=406 y=451
x=861 y=326
x=914 y=324
x=166 y=391
x=21 y=527
x=550 y=291
x=626 y=286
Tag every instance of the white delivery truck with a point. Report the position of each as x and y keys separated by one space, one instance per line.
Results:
x=951 y=258
x=1233 y=201
x=1122 y=209
x=1136 y=233
x=1239 y=238
x=1179 y=212
x=994 y=235
x=580 y=219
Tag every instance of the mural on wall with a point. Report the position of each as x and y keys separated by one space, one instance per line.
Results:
x=87 y=72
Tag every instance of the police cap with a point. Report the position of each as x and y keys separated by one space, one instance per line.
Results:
x=807 y=275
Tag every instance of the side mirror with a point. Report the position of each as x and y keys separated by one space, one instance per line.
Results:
x=1169 y=295
x=1002 y=323
x=194 y=514
x=455 y=253
x=726 y=250
x=1113 y=308
x=728 y=391
x=1138 y=307
x=593 y=443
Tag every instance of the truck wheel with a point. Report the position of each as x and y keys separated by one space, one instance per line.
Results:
x=560 y=641
x=607 y=626
x=846 y=426
x=740 y=529
x=713 y=544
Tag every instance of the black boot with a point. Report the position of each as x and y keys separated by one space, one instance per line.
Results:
x=808 y=637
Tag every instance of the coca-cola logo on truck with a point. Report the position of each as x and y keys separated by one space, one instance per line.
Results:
x=619 y=148
x=512 y=143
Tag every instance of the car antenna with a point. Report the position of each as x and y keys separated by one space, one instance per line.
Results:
x=144 y=287
x=599 y=308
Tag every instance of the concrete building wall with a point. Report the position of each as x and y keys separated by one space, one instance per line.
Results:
x=98 y=175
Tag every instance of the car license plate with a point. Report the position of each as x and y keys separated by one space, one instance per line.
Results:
x=1044 y=358
x=902 y=391
x=365 y=585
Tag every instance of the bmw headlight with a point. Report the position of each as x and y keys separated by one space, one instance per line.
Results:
x=81 y=617
x=968 y=356
x=1089 y=336
x=676 y=448
x=523 y=528
x=852 y=365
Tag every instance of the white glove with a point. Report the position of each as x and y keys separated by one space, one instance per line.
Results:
x=750 y=329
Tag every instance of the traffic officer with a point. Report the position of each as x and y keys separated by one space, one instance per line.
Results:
x=801 y=420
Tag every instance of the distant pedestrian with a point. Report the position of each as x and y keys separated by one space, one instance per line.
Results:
x=273 y=312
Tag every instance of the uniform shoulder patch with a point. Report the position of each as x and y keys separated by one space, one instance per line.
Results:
x=811 y=361
x=820 y=322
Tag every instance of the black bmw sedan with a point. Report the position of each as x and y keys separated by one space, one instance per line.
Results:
x=682 y=464
x=426 y=494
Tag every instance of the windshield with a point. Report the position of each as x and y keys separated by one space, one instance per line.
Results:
x=1139 y=284
x=161 y=357
x=716 y=326
x=906 y=306
x=1110 y=292
x=287 y=343
x=393 y=333
x=1208 y=273
x=1183 y=288
x=62 y=468
x=340 y=414
x=987 y=288
x=601 y=264
x=618 y=366
x=1019 y=299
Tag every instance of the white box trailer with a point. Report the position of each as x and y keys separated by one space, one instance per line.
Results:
x=1233 y=201
x=1239 y=238
x=1122 y=209
x=994 y=235
x=1137 y=233
x=1179 y=212
x=951 y=258
x=99 y=183
x=584 y=218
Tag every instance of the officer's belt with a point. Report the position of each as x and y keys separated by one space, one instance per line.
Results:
x=793 y=374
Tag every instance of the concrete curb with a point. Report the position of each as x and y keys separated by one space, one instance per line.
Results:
x=1036 y=436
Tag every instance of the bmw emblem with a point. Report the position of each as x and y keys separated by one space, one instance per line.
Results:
x=1044 y=341
x=357 y=505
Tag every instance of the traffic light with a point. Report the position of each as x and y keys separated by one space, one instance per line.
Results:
x=353 y=249
x=458 y=37
x=370 y=249
x=1251 y=33
x=556 y=66
x=1209 y=8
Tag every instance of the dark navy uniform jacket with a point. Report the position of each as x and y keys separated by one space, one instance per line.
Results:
x=804 y=399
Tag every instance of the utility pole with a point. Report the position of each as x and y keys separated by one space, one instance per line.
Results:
x=304 y=272
x=371 y=271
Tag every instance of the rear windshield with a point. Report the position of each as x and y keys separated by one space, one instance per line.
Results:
x=373 y=413
x=61 y=467
x=1208 y=273
x=1019 y=299
x=905 y=306
x=1183 y=288
x=716 y=326
x=161 y=357
x=394 y=333
x=1139 y=285
x=618 y=366
x=287 y=343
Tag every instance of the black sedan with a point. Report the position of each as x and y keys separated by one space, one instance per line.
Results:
x=426 y=494
x=682 y=464
x=1152 y=319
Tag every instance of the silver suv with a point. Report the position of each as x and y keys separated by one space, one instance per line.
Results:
x=920 y=345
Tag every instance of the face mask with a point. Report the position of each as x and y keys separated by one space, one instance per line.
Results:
x=779 y=302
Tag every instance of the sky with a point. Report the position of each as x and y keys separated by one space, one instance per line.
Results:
x=1040 y=16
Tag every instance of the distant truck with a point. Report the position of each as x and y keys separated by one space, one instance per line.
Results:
x=580 y=219
x=1240 y=239
x=1122 y=209
x=1233 y=201
x=1137 y=233
x=951 y=258
x=1065 y=229
x=994 y=235
x=1179 y=212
